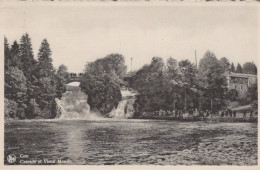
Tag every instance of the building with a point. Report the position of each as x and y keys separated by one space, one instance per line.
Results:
x=240 y=82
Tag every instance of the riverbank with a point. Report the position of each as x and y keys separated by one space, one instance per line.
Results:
x=197 y=118
x=185 y=119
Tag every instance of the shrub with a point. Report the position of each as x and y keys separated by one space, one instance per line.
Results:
x=10 y=108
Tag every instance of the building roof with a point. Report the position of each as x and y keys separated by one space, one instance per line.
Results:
x=240 y=75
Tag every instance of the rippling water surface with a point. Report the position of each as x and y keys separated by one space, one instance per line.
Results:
x=112 y=141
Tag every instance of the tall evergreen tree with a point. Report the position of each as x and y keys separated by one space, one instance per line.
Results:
x=239 y=68
x=45 y=66
x=6 y=54
x=46 y=81
x=26 y=56
x=15 y=54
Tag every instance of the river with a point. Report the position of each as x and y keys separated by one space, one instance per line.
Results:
x=130 y=141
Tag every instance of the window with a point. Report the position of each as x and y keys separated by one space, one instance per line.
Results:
x=241 y=87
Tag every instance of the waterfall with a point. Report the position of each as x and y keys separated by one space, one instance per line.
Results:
x=74 y=104
x=125 y=108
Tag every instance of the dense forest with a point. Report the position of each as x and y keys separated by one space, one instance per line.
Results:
x=31 y=85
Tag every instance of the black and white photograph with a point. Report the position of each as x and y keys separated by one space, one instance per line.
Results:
x=113 y=83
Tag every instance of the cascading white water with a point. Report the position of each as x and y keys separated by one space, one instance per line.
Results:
x=74 y=104
x=125 y=108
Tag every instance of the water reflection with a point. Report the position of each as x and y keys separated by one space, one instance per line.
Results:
x=75 y=144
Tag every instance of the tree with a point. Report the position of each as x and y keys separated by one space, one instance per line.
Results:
x=239 y=69
x=141 y=80
x=31 y=87
x=63 y=71
x=149 y=79
x=6 y=53
x=154 y=83
x=45 y=67
x=171 y=64
x=212 y=81
x=208 y=63
x=189 y=82
x=33 y=109
x=188 y=71
x=172 y=70
x=112 y=62
x=157 y=64
x=46 y=86
x=45 y=94
x=224 y=63
x=232 y=68
x=15 y=60
x=60 y=79
x=28 y=62
x=16 y=89
x=10 y=108
x=101 y=82
x=15 y=85
x=60 y=85
x=249 y=68
x=103 y=93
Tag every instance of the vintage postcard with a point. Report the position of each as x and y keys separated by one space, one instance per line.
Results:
x=129 y=84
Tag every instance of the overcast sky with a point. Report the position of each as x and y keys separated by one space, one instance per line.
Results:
x=84 y=33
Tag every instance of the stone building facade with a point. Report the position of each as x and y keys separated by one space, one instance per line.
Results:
x=240 y=82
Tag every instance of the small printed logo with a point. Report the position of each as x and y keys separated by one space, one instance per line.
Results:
x=11 y=158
